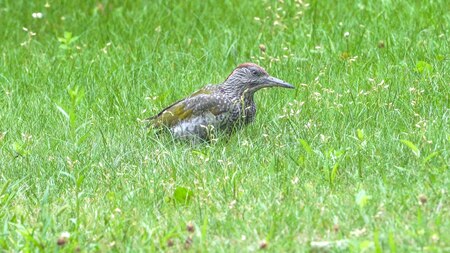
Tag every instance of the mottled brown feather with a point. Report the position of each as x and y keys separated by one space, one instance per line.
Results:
x=197 y=103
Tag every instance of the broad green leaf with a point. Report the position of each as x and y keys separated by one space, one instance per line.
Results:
x=80 y=180
x=306 y=146
x=360 y=134
x=391 y=241
x=376 y=241
x=20 y=149
x=413 y=147
x=182 y=195
x=334 y=173
x=423 y=67
x=431 y=156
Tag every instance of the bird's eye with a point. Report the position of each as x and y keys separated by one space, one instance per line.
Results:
x=254 y=72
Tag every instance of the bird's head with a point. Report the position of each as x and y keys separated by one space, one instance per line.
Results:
x=249 y=78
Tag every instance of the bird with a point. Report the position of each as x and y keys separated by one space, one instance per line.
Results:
x=217 y=108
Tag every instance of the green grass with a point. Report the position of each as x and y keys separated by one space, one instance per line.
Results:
x=358 y=154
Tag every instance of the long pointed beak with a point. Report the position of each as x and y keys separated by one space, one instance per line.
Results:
x=275 y=82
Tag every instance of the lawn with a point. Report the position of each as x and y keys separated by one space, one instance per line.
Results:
x=356 y=158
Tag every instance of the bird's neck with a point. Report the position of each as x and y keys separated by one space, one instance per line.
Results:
x=247 y=97
x=237 y=91
x=242 y=98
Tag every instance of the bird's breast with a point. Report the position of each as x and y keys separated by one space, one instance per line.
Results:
x=201 y=126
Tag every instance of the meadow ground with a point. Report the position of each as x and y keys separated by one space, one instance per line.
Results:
x=355 y=159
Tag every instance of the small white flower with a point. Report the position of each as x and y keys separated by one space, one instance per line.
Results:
x=232 y=204
x=346 y=34
x=65 y=234
x=37 y=15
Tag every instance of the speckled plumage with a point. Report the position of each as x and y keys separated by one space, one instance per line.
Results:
x=222 y=107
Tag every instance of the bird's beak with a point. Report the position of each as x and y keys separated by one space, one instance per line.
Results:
x=275 y=82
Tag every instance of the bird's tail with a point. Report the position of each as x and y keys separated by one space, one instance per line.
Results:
x=150 y=122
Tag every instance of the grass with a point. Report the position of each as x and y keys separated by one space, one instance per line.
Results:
x=355 y=159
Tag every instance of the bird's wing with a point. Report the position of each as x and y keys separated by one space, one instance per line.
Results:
x=198 y=103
